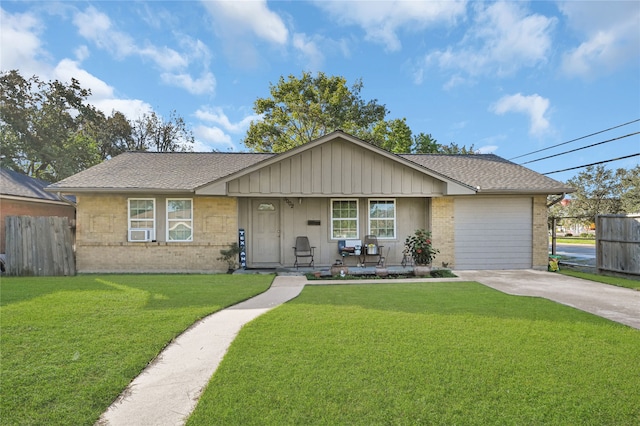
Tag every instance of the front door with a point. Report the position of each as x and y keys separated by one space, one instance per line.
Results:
x=265 y=232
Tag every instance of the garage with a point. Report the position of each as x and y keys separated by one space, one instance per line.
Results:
x=493 y=233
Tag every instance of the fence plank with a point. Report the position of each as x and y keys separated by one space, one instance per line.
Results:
x=618 y=243
x=39 y=246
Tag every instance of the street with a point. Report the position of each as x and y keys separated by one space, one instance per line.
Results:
x=576 y=253
x=575 y=250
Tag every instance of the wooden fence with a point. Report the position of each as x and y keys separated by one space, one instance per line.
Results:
x=618 y=243
x=39 y=246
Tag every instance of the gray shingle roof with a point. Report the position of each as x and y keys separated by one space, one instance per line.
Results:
x=489 y=172
x=184 y=172
x=159 y=171
x=20 y=185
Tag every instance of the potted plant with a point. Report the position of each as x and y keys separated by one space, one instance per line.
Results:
x=230 y=256
x=422 y=251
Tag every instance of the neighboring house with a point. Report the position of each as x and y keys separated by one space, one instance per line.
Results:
x=21 y=195
x=173 y=212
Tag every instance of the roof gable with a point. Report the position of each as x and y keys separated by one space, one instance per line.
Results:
x=336 y=165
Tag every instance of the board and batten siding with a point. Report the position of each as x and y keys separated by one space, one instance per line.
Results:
x=493 y=233
x=336 y=169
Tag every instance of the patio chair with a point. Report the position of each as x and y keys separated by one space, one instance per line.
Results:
x=376 y=251
x=304 y=250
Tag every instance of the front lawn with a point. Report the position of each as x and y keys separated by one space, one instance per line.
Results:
x=425 y=353
x=606 y=279
x=70 y=345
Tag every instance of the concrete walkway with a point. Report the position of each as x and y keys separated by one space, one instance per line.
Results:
x=167 y=391
x=615 y=303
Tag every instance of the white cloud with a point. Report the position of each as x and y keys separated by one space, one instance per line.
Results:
x=534 y=106
x=206 y=83
x=503 y=38
x=611 y=36
x=208 y=138
x=241 y=25
x=96 y=26
x=309 y=50
x=21 y=45
x=242 y=16
x=487 y=149
x=102 y=95
x=22 y=50
x=217 y=116
x=382 y=20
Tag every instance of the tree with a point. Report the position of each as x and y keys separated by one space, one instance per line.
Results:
x=630 y=189
x=42 y=124
x=393 y=135
x=300 y=110
x=426 y=144
x=598 y=191
x=152 y=132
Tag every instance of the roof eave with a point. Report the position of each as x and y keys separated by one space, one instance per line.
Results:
x=75 y=190
x=545 y=191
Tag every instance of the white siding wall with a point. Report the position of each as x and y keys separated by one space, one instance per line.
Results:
x=493 y=233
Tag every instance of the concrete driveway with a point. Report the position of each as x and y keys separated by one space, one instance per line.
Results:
x=615 y=303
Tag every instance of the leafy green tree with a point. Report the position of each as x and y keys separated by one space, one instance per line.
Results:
x=424 y=143
x=598 y=191
x=113 y=135
x=152 y=132
x=40 y=123
x=393 y=135
x=300 y=110
x=454 y=149
x=630 y=189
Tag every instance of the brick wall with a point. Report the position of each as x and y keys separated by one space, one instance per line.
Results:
x=540 y=233
x=442 y=230
x=102 y=246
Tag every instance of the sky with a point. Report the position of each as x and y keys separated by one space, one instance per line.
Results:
x=508 y=78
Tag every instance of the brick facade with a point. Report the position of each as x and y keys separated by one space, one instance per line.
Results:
x=540 y=233
x=102 y=229
x=442 y=231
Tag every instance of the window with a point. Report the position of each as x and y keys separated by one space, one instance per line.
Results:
x=382 y=218
x=179 y=220
x=344 y=219
x=142 y=219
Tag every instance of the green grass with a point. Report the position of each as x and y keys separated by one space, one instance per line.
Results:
x=574 y=240
x=71 y=345
x=617 y=281
x=427 y=353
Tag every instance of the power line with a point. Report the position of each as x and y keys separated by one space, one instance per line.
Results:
x=578 y=149
x=576 y=139
x=593 y=164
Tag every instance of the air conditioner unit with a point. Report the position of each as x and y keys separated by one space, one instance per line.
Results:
x=139 y=235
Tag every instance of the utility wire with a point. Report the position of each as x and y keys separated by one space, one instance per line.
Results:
x=593 y=164
x=578 y=149
x=577 y=139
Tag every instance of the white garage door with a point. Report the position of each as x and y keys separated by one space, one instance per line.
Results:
x=493 y=233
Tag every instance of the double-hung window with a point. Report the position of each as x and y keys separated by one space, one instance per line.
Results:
x=344 y=219
x=382 y=218
x=142 y=219
x=179 y=219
